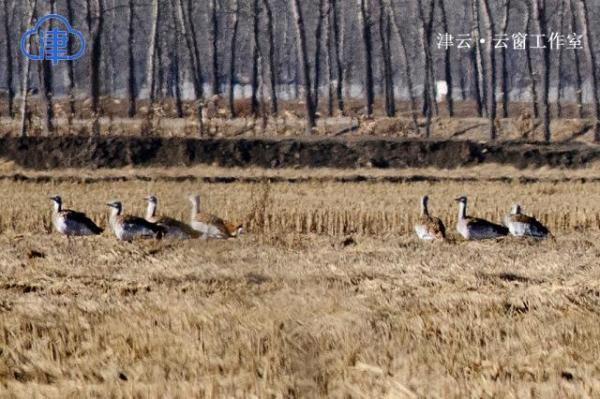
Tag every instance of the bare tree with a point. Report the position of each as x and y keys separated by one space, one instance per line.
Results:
x=26 y=69
x=184 y=20
x=273 y=75
x=534 y=94
x=311 y=119
x=233 y=55
x=152 y=58
x=131 y=83
x=255 y=56
x=504 y=61
x=447 y=63
x=317 y=57
x=48 y=86
x=9 y=13
x=366 y=21
x=337 y=39
x=491 y=32
x=478 y=55
x=71 y=69
x=95 y=21
x=386 y=55
x=578 y=77
x=214 y=33
x=427 y=25
x=540 y=14
x=589 y=49
x=406 y=63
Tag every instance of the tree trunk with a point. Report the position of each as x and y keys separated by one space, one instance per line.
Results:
x=9 y=13
x=214 y=33
x=504 y=62
x=386 y=55
x=71 y=70
x=255 y=56
x=578 y=77
x=329 y=60
x=534 y=94
x=447 y=63
x=559 y=68
x=131 y=85
x=589 y=50
x=491 y=32
x=273 y=75
x=26 y=68
x=175 y=68
x=337 y=38
x=48 y=86
x=184 y=15
x=478 y=52
x=311 y=122
x=233 y=56
x=406 y=63
x=427 y=22
x=152 y=47
x=318 y=47
x=365 y=17
x=96 y=26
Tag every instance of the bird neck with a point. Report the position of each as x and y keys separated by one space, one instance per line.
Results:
x=114 y=212
x=151 y=211
x=462 y=211
x=424 y=210
x=57 y=207
x=195 y=207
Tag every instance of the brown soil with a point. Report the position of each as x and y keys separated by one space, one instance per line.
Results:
x=113 y=152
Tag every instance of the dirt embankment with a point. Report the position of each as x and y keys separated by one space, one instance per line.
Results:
x=113 y=152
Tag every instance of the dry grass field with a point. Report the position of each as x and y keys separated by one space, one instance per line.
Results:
x=329 y=294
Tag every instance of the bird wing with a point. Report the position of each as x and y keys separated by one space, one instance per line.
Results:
x=434 y=226
x=131 y=222
x=81 y=219
x=486 y=227
x=212 y=220
x=173 y=224
x=534 y=225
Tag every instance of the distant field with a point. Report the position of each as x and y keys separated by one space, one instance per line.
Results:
x=328 y=294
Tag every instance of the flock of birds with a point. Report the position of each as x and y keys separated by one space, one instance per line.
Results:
x=208 y=226
x=129 y=227
x=470 y=228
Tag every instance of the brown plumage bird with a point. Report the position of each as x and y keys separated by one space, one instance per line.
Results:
x=128 y=228
x=428 y=227
x=211 y=226
x=173 y=228
x=72 y=223
x=521 y=225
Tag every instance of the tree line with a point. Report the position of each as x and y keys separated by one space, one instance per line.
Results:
x=320 y=53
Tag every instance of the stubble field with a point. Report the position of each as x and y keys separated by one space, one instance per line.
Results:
x=328 y=294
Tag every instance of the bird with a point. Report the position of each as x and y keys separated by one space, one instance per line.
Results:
x=173 y=228
x=128 y=228
x=429 y=227
x=474 y=228
x=521 y=225
x=72 y=223
x=211 y=226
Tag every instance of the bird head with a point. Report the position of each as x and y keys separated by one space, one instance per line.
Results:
x=461 y=200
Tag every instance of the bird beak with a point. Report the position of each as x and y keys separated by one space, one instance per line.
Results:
x=457 y=199
x=110 y=205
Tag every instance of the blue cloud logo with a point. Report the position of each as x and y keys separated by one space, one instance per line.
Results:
x=53 y=43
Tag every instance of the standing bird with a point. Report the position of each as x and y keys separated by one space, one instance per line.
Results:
x=72 y=223
x=474 y=228
x=173 y=228
x=521 y=225
x=429 y=227
x=211 y=226
x=128 y=228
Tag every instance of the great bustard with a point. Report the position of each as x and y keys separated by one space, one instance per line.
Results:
x=128 y=228
x=72 y=223
x=476 y=229
x=427 y=226
x=173 y=228
x=211 y=226
x=521 y=225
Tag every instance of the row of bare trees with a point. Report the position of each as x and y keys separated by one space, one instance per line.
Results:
x=313 y=50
